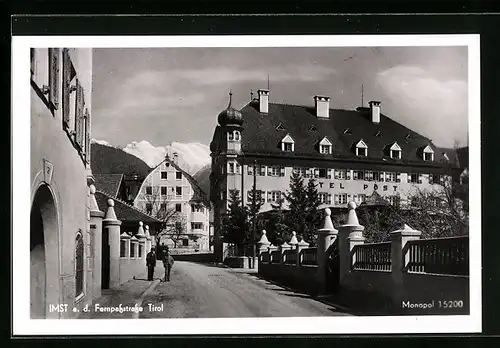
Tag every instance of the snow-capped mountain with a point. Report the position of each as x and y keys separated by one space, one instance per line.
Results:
x=191 y=156
x=100 y=142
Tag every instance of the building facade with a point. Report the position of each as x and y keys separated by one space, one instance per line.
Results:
x=61 y=267
x=350 y=153
x=170 y=191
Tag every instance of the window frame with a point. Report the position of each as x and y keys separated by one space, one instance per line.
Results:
x=79 y=265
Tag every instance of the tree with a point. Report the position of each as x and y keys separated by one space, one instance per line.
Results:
x=178 y=231
x=277 y=230
x=313 y=215
x=253 y=207
x=297 y=204
x=162 y=208
x=235 y=227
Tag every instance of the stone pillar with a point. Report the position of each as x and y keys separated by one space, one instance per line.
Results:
x=125 y=259
x=326 y=236
x=399 y=239
x=350 y=235
x=96 y=217
x=301 y=245
x=112 y=224
x=263 y=244
x=148 y=240
x=293 y=241
x=141 y=236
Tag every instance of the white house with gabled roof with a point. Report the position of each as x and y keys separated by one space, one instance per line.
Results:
x=169 y=190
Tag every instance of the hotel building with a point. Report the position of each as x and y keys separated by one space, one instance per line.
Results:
x=350 y=153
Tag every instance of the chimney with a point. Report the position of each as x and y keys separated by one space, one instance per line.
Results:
x=176 y=157
x=322 y=105
x=263 y=100
x=375 y=111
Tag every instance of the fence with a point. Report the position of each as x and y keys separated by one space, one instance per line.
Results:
x=445 y=256
x=372 y=257
x=290 y=257
x=309 y=256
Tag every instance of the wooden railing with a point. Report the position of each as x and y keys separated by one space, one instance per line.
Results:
x=448 y=256
x=372 y=257
x=276 y=256
x=309 y=256
x=290 y=257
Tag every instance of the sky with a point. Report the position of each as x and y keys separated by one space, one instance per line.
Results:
x=164 y=95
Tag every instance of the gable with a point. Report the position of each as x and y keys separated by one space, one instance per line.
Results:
x=361 y=144
x=395 y=147
x=428 y=149
x=287 y=139
x=325 y=141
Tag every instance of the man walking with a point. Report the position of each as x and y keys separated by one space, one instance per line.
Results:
x=168 y=262
x=151 y=263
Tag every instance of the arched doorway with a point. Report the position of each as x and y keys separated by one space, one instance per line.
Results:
x=44 y=254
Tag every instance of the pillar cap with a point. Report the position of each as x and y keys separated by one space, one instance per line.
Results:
x=263 y=239
x=293 y=240
x=110 y=213
x=406 y=230
x=303 y=243
x=328 y=224
x=352 y=218
x=124 y=235
x=140 y=231
x=94 y=207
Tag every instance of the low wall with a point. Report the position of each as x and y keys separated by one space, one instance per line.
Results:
x=419 y=294
x=302 y=278
x=197 y=257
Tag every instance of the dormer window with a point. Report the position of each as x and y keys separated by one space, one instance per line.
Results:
x=280 y=127
x=428 y=154
x=395 y=151
x=287 y=144
x=378 y=134
x=408 y=136
x=325 y=146
x=347 y=131
x=361 y=149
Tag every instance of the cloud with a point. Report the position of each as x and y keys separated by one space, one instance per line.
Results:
x=436 y=107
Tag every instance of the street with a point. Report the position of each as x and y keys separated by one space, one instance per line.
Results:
x=205 y=291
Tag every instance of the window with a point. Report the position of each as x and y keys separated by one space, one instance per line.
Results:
x=274 y=171
x=196 y=208
x=163 y=207
x=390 y=177
x=167 y=164
x=436 y=179
x=178 y=191
x=322 y=172
x=178 y=225
x=287 y=143
x=414 y=178
x=178 y=175
x=288 y=147
x=358 y=175
x=341 y=199
x=361 y=151
x=273 y=196
x=185 y=242
x=280 y=127
x=428 y=156
x=342 y=174
x=325 y=149
x=141 y=250
x=378 y=176
x=394 y=200
x=325 y=198
x=196 y=226
x=230 y=136
x=149 y=190
x=396 y=154
x=261 y=170
x=149 y=208
x=79 y=264
x=164 y=175
x=347 y=131
x=178 y=208
x=301 y=171
x=123 y=248
x=230 y=168
x=312 y=128
x=258 y=195
x=163 y=190
x=236 y=135
x=360 y=198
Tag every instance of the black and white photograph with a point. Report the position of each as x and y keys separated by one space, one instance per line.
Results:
x=264 y=184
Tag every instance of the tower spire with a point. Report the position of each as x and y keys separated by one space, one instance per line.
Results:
x=230 y=98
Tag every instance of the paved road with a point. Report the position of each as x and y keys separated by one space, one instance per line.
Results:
x=203 y=291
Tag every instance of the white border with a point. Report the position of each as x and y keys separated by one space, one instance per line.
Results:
x=23 y=325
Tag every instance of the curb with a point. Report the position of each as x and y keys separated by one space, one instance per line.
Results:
x=138 y=303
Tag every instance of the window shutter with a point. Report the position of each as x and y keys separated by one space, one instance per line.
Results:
x=382 y=176
x=408 y=177
x=329 y=198
x=419 y=178
x=316 y=173
x=282 y=171
x=263 y=170
x=80 y=102
x=398 y=177
x=348 y=174
x=269 y=171
x=336 y=174
x=87 y=135
x=66 y=87
x=269 y=193
x=250 y=170
x=328 y=173
x=54 y=77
